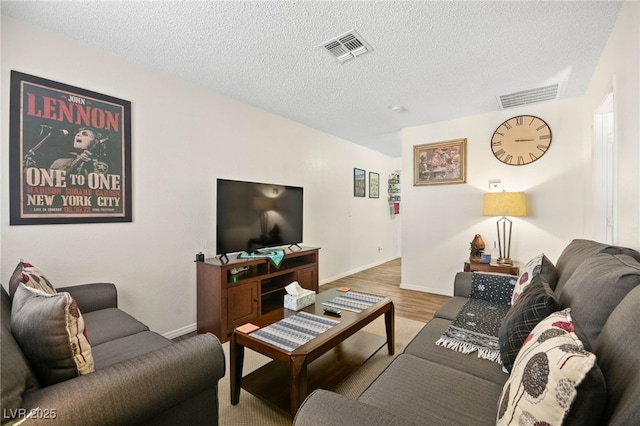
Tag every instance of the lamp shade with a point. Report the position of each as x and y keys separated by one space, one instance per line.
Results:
x=265 y=203
x=505 y=204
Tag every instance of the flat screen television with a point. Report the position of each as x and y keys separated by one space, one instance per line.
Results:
x=252 y=216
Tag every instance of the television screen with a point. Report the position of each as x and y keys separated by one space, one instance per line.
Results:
x=251 y=216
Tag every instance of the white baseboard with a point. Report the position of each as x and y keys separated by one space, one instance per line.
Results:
x=353 y=271
x=426 y=289
x=181 y=331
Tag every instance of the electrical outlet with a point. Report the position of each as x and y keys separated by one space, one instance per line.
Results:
x=495 y=184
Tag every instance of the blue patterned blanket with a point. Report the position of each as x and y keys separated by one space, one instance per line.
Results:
x=478 y=322
x=476 y=329
x=274 y=256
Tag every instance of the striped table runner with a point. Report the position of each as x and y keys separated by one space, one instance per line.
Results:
x=294 y=331
x=355 y=301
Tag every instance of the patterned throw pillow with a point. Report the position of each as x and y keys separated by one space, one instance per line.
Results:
x=30 y=276
x=539 y=265
x=552 y=377
x=50 y=331
x=536 y=302
x=495 y=288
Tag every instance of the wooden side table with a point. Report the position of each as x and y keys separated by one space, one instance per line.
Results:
x=487 y=267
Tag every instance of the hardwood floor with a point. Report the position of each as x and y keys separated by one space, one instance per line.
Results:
x=385 y=280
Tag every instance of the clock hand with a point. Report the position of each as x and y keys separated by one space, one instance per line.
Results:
x=524 y=140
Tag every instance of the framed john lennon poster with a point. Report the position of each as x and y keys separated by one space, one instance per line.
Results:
x=69 y=153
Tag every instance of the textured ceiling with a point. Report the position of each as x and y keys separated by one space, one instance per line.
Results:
x=440 y=60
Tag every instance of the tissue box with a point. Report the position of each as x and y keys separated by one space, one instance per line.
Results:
x=299 y=301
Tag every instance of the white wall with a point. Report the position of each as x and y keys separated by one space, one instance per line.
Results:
x=621 y=57
x=440 y=221
x=183 y=138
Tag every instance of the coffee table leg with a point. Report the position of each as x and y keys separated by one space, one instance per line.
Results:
x=236 y=356
x=298 y=382
x=389 y=323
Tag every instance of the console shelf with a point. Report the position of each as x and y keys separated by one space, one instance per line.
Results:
x=232 y=293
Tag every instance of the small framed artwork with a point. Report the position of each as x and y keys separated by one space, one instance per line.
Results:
x=359 y=183
x=374 y=185
x=440 y=163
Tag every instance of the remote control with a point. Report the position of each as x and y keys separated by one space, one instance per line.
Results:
x=332 y=311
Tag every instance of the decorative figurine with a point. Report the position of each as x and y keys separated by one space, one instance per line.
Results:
x=477 y=246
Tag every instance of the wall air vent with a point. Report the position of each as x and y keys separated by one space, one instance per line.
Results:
x=526 y=97
x=347 y=46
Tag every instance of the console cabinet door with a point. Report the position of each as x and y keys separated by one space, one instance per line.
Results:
x=308 y=278
x=242 y=304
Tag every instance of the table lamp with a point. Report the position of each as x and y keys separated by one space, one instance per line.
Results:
x=504 y=204
x=263 y=205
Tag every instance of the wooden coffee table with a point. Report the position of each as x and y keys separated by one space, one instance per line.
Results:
x=322 y=363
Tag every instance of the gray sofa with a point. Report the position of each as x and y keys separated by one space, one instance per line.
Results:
x=140 y=377
x=432 y=385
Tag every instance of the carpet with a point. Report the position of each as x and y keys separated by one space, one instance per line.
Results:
x=251 y=411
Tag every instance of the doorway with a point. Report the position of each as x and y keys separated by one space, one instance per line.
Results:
x=605 y=166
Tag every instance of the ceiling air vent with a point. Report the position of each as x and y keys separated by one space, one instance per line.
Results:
x=347 y=46
x=526 y=97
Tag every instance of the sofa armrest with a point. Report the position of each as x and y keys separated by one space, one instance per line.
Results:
x=462 y=284
x=137 y=389
x=325 y=408
x=94 y=296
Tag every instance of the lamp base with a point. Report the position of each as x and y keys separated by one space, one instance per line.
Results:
x=505 y=261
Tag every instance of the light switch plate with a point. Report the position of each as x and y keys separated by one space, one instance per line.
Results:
x=495 y=184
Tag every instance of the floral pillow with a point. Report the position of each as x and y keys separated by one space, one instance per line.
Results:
x=30 y=276
x=553 y=378
x=539 y=265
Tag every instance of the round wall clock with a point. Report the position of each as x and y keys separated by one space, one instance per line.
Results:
x=521 y=140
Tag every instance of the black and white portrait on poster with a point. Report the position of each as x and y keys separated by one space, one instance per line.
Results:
x=70 y=154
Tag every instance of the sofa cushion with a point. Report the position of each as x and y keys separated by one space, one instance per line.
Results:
x=551 y=370
x=603 y=278
x=618 y=350
x=622 y=250
x=423 y=346
x=30 y=276
x=449 y=309
x=110 y=324
x=494 y=288
x=429 y=393
x=50 y=330
x=576 y=252
x=539 y=265
x=124 y=348
x=536 y=302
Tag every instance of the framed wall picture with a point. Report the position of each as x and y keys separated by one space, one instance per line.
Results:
x=440 y=163
x=69 y=154
x=374 y=185
x=359 y=177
